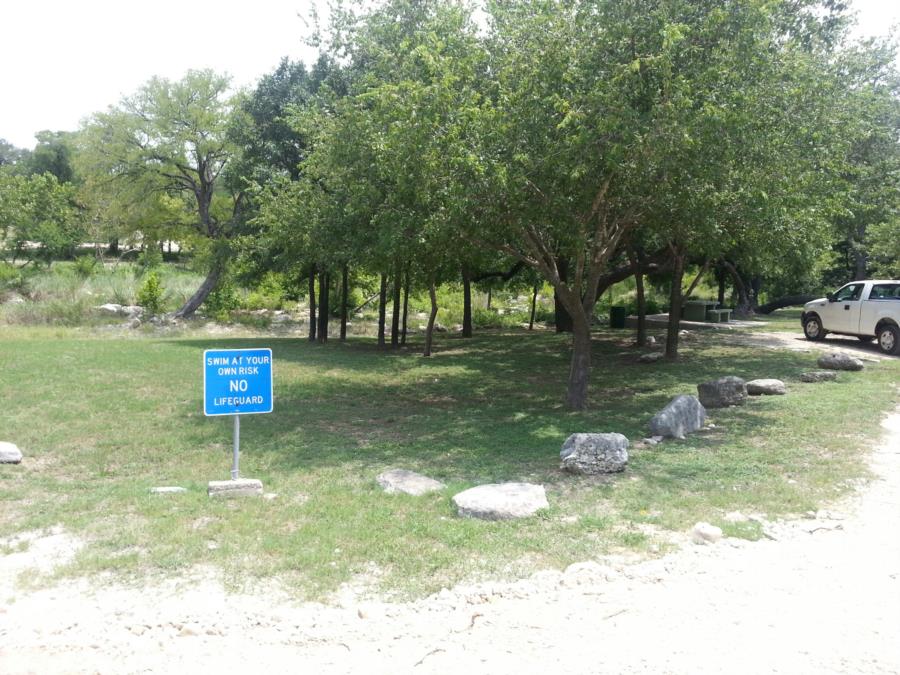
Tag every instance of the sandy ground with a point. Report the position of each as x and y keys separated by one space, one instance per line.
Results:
x=820 y=595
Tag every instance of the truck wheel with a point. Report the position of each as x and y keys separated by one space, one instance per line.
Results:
x=812 y=328
x=889 y=339
x=865 y=338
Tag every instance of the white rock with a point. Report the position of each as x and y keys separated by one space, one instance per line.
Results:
x=501 y=501
x=167 y=490
x=652 y=357
x=408 y=482
x=736 y=517
x=704 y=533
x=110 y=308
x=9 y=453
x=766 y=387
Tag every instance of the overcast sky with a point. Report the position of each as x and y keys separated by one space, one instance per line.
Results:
x=61 y=60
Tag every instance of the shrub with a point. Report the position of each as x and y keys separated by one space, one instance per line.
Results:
x=222 y=301
x=150 y=295
x=149 y=259
x=85 y=266
x=11 y=277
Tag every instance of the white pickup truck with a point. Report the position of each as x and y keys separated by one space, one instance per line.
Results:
x=870 y=310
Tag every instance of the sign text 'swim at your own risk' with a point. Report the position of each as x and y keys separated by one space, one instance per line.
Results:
x=237 y=381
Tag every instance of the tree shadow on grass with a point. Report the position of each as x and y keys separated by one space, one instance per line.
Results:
x=488 y=408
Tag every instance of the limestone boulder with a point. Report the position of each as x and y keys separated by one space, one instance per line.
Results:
x=501 y=501
x=722 y=393
x=592 y=454
x=683 y=415
x=408 y=482
x=839 y=361
x=704 y=533
x=9 y=453
x=110 y=308
x=766 y=387
x=818 y=376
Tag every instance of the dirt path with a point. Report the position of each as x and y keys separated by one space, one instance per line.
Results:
x=821 y=596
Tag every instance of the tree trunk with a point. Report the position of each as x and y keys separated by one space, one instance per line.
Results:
x=641 y=298
x=641 y=308
x=787 y=301
x=467 y=303
x=720 y=280
x=744 y=304
x=312 y=304
x=675 y=299
x=324 y=289
x=345 y=279
x=406 y=283
x=534 y=294
x=395 y=302
x=209 y=284
x=561 y=316
x=114 y=247
x=382 y=301
x=489 y=299
x=755 y=288
x=860 y=257
x=696 y=280
x=429 y=331
x=580 y=368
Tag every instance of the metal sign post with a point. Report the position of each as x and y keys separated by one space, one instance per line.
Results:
x=235 y=470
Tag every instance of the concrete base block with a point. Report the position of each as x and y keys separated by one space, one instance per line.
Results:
x=242 y=487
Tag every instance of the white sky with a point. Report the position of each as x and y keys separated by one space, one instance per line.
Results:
x=61 y=60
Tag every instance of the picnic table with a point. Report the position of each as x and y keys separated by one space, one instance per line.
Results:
x=705 y=311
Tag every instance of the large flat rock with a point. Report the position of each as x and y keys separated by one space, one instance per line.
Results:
x=766 y=387
x=408 y=482
x=242 y=487
x=9 y=453
x=501 y=501
x=839 y=361
x=818 y=376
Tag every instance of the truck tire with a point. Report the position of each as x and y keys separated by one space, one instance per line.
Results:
x=888 y=339
x=812 y=328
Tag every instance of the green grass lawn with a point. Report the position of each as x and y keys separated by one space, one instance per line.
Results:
x=101 y=420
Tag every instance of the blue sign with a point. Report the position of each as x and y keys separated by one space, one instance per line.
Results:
x=237 y=381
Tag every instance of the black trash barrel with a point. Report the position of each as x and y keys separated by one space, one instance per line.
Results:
x=617 y=317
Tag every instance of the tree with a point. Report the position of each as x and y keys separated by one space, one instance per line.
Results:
x=53 y=154
x=13 y=159
x=170 y=138
x=38 y=217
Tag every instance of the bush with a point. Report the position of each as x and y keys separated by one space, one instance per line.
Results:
x=11 y=277
x=269 y=293
x=150 y=295
x=222 y=301
x=149 y=259
x=85 y=266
